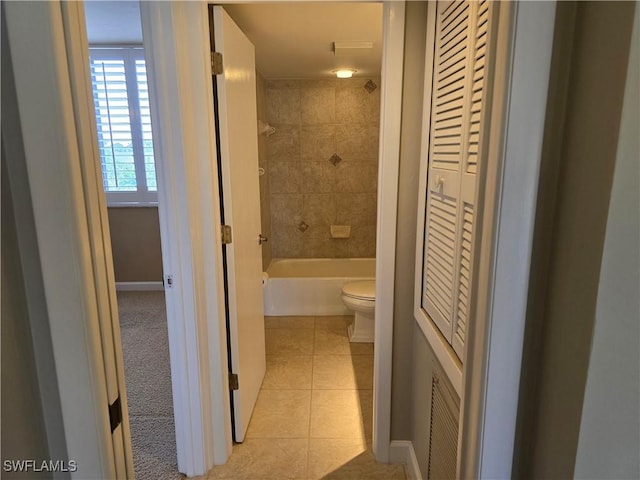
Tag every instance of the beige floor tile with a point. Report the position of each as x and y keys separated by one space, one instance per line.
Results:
x=348 y=459
x=361 y=348
x=344 y=372
x=289 y=322
x=265 y=459
x=332 y=338
x=281 y=341
x=331 y=342
x=341 y=414
x=281 y=414
x=288 y=372
x=335 y=322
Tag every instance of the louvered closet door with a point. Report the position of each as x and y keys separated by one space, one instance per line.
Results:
x=456 y=113
x=478 y=31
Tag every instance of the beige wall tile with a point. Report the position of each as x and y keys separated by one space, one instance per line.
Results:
x=317 y=142
x=363 y=242
x=283 y=106
x=318 y=83
x=356 y=177
x=352 y=105
x=351 y=131
x=286 y=209
x=280 y=414
x=358 y=142
x=319 y=177
x=287 y=241
x=341 y=247
x=285 y=177
x=356 y=209
x=263 y=161
x=284 y=144
x=357 y=82
x=319 y=209
x=317 y=106
x=317 y=242
x=282 y=84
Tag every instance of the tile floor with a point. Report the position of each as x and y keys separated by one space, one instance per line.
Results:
x=313 y=416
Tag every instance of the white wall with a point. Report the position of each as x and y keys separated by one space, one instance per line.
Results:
x=609 y=439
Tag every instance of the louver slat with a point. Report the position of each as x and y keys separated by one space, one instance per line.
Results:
x=464 y=273
x=449 y=86
x=478 y=86
x=443 y=434
x=440 y=254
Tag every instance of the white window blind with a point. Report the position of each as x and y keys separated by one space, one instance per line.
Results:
x=123 y=119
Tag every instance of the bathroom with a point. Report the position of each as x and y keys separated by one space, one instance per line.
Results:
x=318 y=152
x=318 y=141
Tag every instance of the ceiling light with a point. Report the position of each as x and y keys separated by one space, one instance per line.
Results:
x=345 y=73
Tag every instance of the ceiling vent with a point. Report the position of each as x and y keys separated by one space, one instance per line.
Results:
x=350 y=49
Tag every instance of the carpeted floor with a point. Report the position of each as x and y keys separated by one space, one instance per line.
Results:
x=143 y=325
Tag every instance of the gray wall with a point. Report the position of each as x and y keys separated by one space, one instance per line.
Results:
x=423 y=359
x=135 y=243
x=263 y=162
x=23 y=426
x=315 y=119
x=31 y=412
x=559 y=365
x=609 y=439
x=404 y=326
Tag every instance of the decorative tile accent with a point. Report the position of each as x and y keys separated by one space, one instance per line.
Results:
x=370 y=86
x=335 y=159
x=325 y=149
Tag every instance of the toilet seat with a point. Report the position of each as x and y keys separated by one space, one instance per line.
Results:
x=365 y=290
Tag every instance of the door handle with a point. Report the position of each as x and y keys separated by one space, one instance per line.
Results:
x=262 y=239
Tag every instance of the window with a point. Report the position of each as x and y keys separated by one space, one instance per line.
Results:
x=121 y=98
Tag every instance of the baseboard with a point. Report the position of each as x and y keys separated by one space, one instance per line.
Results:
x=139 y=286
x=401 y=451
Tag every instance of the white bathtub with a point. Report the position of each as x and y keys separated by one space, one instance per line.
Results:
x=312 y=286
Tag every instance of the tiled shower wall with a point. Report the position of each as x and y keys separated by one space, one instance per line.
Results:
x=322 y=164
x=265 y=204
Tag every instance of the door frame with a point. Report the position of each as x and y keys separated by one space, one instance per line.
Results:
x=168 y=30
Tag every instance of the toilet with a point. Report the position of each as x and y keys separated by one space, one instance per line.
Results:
x=361 y=298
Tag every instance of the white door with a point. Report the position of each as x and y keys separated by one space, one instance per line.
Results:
x=237 y=120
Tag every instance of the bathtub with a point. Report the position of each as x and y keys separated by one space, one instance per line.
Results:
x=312 y=286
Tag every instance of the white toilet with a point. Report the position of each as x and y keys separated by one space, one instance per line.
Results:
x=361 y=298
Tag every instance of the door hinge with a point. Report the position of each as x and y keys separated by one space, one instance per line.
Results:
x=233 y=381
x=216 y=63
x=167 y=281
x=115 y=414
x=226 y=234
